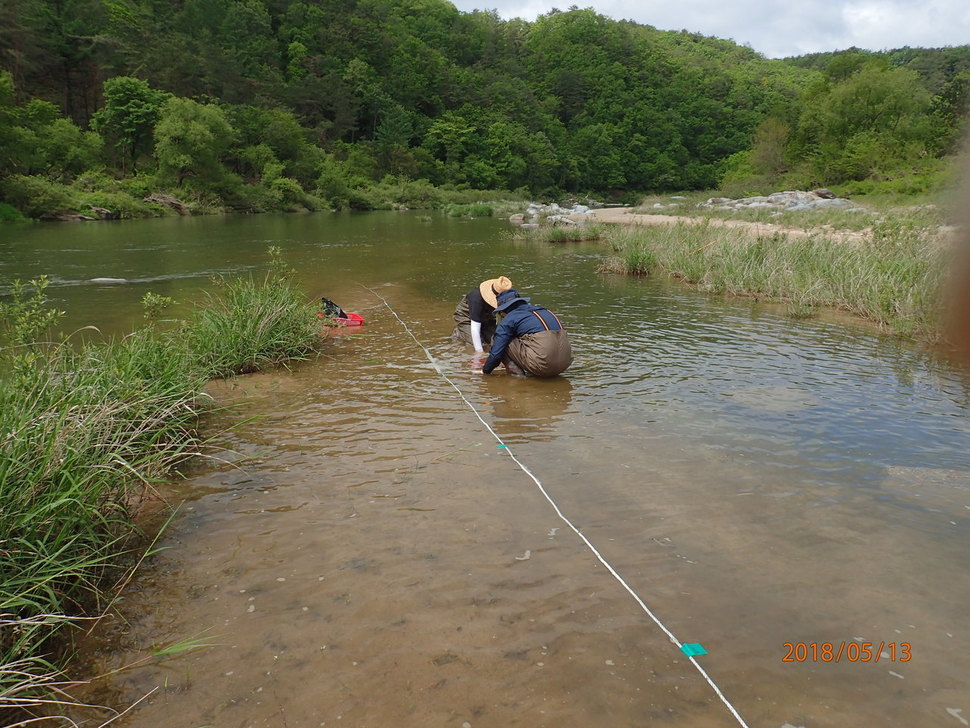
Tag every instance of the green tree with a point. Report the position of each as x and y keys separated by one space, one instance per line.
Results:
x=368 y=93
x=951 y=111
x=296 y=61
x=8 y=146
x=251 y=50
x=598 y=157
x=191 y=140
x=127 y=120
x=770 y=143
x=450 y=137
x=68 y=44
x=67 y=150
x=875 y=119
x=874 y=100
x=36 y=139
x=843 y=64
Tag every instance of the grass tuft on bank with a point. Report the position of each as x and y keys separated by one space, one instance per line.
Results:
x=559 y=234
x=85 y=429
x=895 y=276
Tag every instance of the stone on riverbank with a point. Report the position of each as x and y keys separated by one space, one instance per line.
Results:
x=552 y=213
x=180 y=207
x=788 y=201
x=104 y=213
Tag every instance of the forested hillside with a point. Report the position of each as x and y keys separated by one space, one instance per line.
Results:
x=280 y=104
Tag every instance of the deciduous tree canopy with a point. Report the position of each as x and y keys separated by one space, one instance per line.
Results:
x=331 y=95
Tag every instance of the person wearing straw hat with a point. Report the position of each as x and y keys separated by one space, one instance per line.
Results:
x=474 y=316
x=530 y=340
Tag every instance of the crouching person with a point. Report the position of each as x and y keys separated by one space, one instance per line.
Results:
x=529 y=340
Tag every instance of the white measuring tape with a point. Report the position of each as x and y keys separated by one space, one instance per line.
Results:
x=562 y=516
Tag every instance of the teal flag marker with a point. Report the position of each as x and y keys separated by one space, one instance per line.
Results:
x=693 y=649
x=500 y=447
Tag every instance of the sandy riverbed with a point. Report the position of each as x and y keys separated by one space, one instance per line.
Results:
x=628 y=216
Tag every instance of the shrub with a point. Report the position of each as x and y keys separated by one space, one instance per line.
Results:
x=474 y=209
x=291 y=195
x=122 y=204
x=38 y=197
x=9 y=213
x=420 y=194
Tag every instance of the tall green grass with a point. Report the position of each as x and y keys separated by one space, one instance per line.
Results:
x=633 y=257
x=84 y=430
x=247 y=326
x=895 y=276
x=560 y=234
x=469 y=209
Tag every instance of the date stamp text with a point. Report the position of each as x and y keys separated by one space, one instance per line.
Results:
x=847 y=651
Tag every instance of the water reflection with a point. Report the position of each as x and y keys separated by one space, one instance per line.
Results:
x=526 y=409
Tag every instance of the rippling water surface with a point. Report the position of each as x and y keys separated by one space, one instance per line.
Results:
x=363 y=552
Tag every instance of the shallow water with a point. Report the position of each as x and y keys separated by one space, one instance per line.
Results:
x=365 y=553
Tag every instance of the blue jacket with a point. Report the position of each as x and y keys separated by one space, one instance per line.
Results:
x=521 y=319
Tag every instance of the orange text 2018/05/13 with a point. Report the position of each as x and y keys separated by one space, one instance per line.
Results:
x=847 y=651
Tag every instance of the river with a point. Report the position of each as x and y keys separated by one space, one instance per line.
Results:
x=390 y=538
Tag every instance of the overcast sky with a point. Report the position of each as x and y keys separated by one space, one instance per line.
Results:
x=779 y=28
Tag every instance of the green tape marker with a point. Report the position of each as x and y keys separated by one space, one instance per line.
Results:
x=693 y=649
x=500 y=447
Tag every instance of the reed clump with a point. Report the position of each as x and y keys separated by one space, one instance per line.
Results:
x=560 y=233
x=246 y=327
x=470 y=209
x=85 y=429
x=893 y=276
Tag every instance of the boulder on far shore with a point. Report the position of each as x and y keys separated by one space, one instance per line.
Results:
x=180 y=207
x=551 y=213
x=66 y=217
x=788 y=201
x=104 y=213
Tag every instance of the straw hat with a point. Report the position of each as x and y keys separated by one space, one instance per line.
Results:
x=492 y=287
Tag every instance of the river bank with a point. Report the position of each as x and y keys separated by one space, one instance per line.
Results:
x=633 y=216
x=890 y=269
x=89 y=429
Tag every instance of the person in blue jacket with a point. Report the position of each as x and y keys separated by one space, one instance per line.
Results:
x=529 y=340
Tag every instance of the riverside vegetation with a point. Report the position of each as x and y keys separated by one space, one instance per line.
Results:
x=135 y=108
x=87 y=428
x=893 y=271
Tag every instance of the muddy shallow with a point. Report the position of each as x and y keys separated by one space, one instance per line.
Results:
x=363 y=553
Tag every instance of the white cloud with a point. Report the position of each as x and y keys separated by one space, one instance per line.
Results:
x=780 y=29
x=883 y=24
